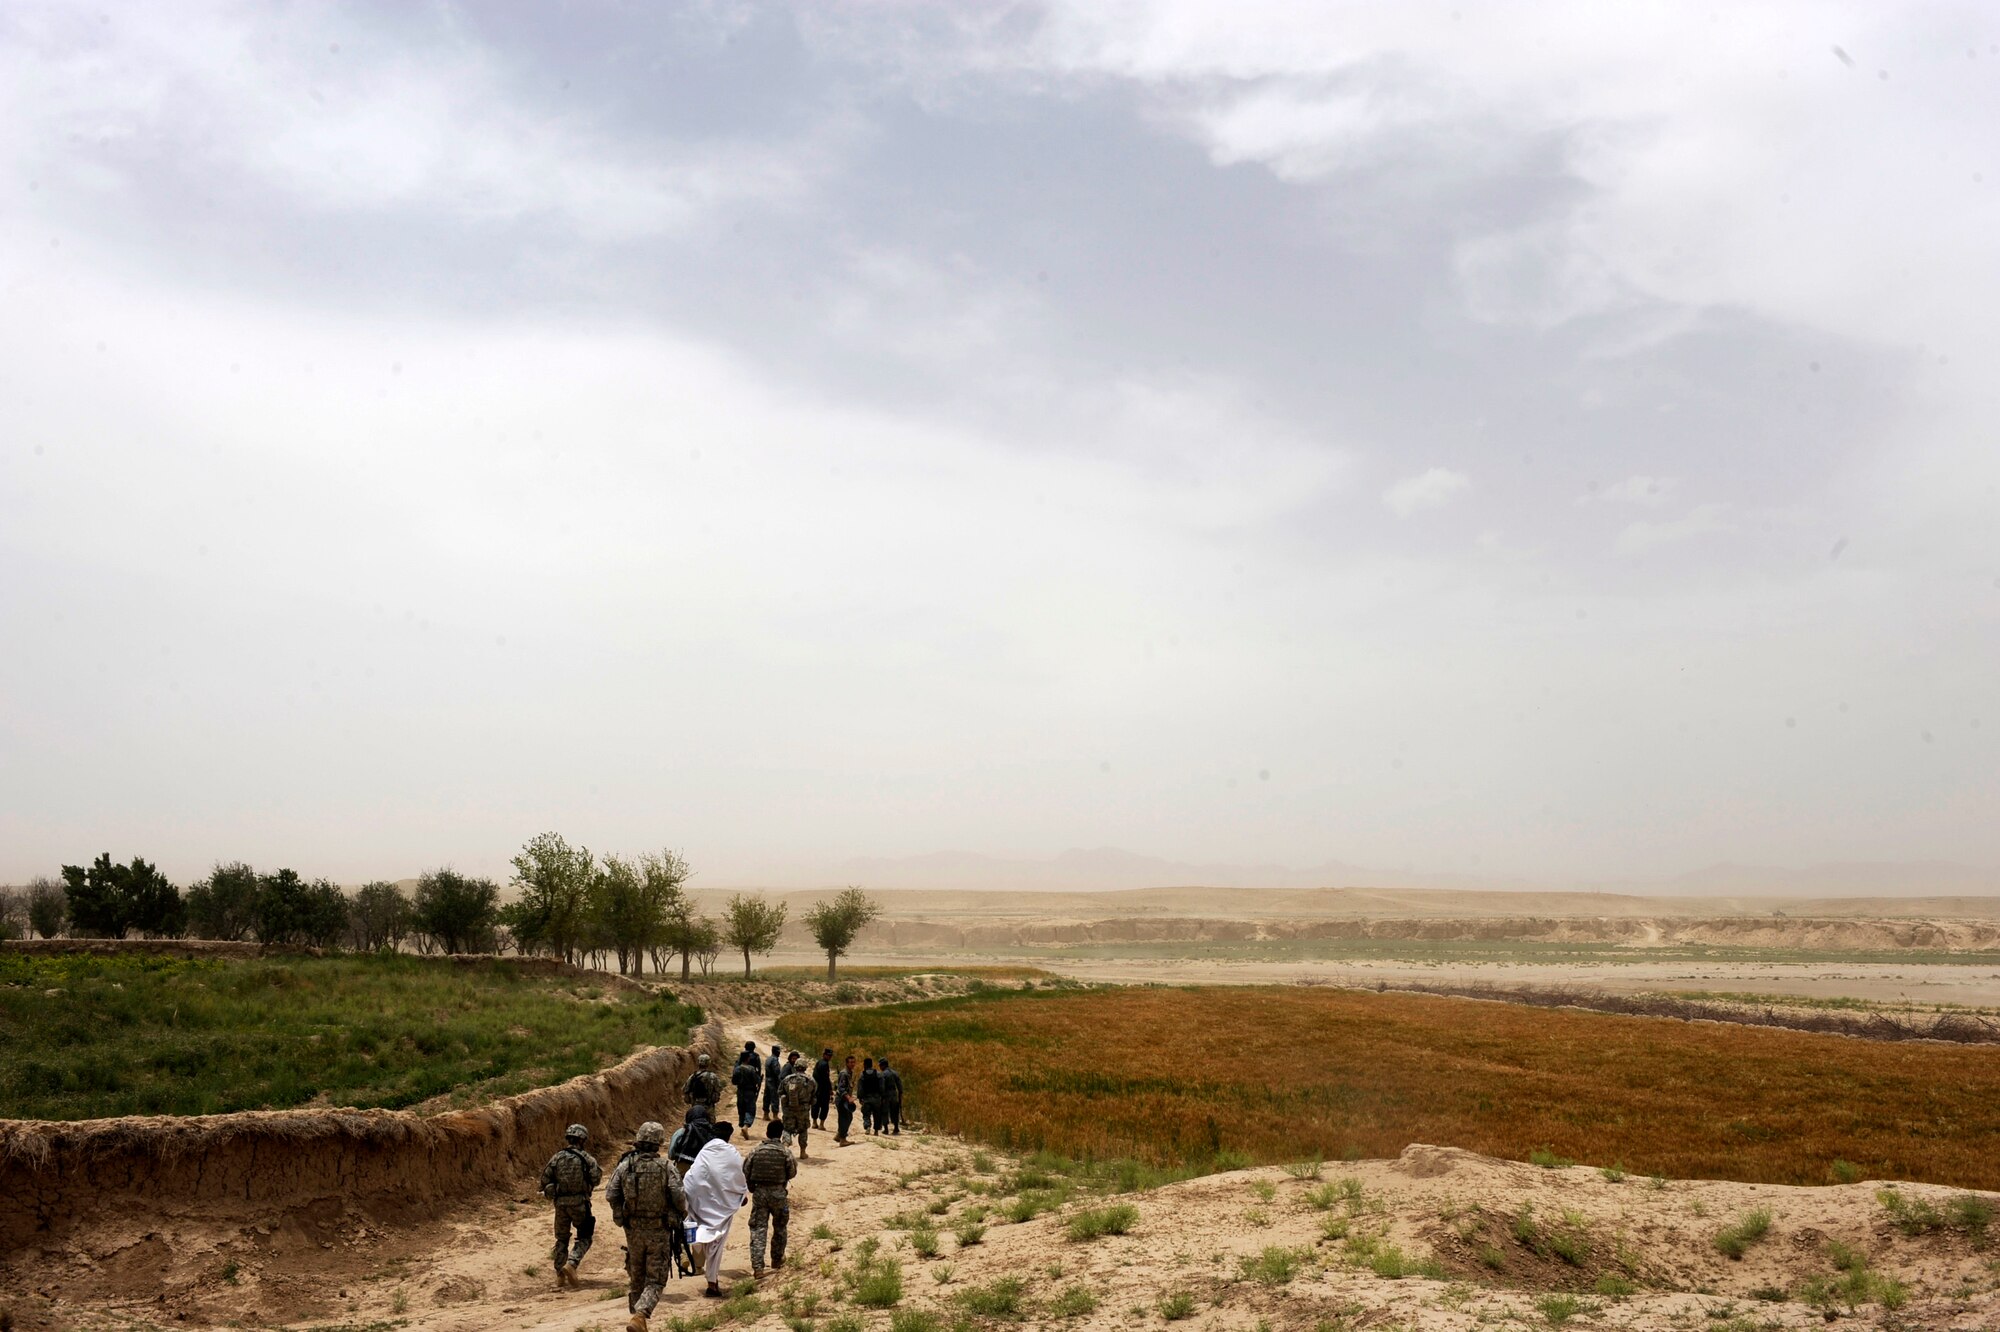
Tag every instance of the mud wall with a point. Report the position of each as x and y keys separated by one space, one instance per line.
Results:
x=381 y=1163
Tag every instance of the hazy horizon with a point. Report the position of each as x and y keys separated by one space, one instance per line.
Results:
x=1542 y=442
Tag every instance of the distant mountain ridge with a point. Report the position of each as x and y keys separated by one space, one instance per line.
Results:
x=1105 y=869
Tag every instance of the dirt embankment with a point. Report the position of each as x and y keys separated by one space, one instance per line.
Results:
x=739 y=996
x=1804 y=934
x=328 y=1165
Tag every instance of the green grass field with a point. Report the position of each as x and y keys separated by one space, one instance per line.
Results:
x=88 y=1037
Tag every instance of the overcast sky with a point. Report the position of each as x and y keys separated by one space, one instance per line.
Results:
x=1505 y=439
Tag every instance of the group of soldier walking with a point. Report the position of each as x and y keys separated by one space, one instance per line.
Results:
x=676 y=1200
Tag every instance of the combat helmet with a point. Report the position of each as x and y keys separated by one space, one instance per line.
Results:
x=650 y=1134
x=576 y=1133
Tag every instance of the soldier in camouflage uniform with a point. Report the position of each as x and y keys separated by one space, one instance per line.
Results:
x=703 y=1086
x=796 y=1103
x=646 y=1198
x=568 y=1180
x=769 y=1170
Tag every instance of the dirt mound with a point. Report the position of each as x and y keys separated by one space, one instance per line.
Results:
x=57 y=1177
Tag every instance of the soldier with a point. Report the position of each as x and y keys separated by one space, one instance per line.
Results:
x=768 y=1170
x=892 y=1098
x=798 y=1092
x=747 y=1076
x=774 y=1081
x=568 y=1180
x=646 y=1199
x=703 y=1087
x=870 y=1091
x=822 y=1088
x=843 y=1102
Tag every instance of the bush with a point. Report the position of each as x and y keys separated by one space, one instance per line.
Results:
x=915 y=1320
x=969 y=1233
x=1307 y=1169
x=455 y=913
x=1097 y=1222
x=1752 y=1226
x=1844 y=1172
x=1276 y=1265
x=48 y=908
x=1073 y=1302
x=1546 y=1158
x=995 y=1299
x=1177 y=1306
x=924 y=1241
x=1558 y=1309
x=879 y=1284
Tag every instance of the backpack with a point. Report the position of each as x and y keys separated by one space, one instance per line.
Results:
x=798 y=1093
x=572 y=1176
x=767 y=1165
x=647 y=1197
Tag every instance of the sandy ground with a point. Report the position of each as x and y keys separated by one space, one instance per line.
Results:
x=486 y=1266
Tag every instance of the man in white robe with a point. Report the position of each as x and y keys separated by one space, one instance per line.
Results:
x=716 y=1190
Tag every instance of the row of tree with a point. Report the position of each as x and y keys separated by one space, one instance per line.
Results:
x=568 y=903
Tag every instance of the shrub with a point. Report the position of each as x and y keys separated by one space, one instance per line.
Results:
x=1546 y=1158
x=1276 y=1265
x=844 y=1323
x=1097 y=1222
x=1307 y=1169
x=1264 y=1189
x=879 y=1285
x=1321 y=1197
x=1073 y=1302
x=1001 y=1298
x=915 y=1320
x=1614 y=1173
x=969 y=1233
x=1615 y=1286
x=1753 y=1225
x=1177 y=1306
x=1558 y=1309
x=1843 y=1172
x=924 y=1241
x=1971 y=1213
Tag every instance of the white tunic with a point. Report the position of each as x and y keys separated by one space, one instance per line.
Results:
x=716 y=1189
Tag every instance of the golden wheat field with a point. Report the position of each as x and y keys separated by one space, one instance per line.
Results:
x=1182 y=1076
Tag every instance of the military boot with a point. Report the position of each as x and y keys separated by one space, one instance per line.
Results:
x=569 y=1275
x=637 y=1323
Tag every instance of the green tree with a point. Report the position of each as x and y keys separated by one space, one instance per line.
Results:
x=378 y=917
x=223 y=905
x=836 y=921
x=752 y=925
x=48 y=907
x=111 y=901
x=552 y=913
x=621 y=909
x=456 y=913
x=13 y=913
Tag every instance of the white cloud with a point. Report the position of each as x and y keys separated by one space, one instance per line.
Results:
x=1646 y=491
x=1431 y=489
x=1702 y=520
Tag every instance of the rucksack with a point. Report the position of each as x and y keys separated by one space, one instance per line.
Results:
x=767 y=1165
x=572 y=1177
x=799 y=1092
x=646 y=1193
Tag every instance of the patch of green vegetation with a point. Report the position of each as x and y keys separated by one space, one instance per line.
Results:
x=1177 y=1306
x=1559 y=1308
x=87 y=1036
x=878 y=1284
x=1276 y=1265
x=1843 y=1172
x=1616 y=1287
x=1097 y=1222
x=915 y=1320
x=1546 y=1158
x=1735 y=1241
x=1002 y=1298
x=1073 y=1302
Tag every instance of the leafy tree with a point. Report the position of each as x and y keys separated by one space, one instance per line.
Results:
x=48 y=907
x=13 y=913
x=289 y=910
x=705 y=942
x=456 y=913
x=664 y=877
x=111 y=901
x=836 y=921
x=552 y=914
x=752 y=925
x=626 y=916
x=378 y=917
x=223 y=905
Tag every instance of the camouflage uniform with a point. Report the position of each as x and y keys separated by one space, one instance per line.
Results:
x=703 y=1087
x=768 y=1169
x=568 y=1180
x=646 y=1198
x=798 y=1093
